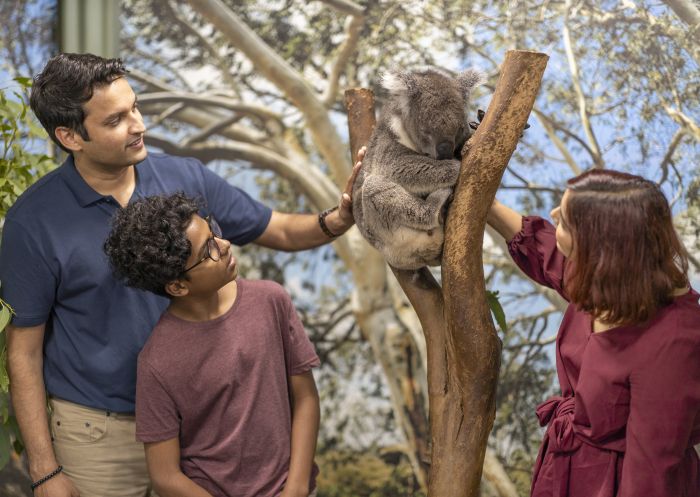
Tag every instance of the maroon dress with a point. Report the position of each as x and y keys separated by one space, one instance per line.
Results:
x=629 y=411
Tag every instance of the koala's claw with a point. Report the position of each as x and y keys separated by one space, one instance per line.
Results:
x=445 y=207
x=439 y=201
x=480 y=116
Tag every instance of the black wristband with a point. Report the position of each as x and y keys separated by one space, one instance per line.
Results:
x=46 y=478
x=322 y=222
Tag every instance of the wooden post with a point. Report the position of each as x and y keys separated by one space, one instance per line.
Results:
x=462 y=344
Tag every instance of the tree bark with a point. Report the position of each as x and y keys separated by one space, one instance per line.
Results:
x=466 y=401
x=689 y=12
x=462 y=344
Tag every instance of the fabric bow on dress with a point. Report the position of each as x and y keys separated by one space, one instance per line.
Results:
x=557 y=414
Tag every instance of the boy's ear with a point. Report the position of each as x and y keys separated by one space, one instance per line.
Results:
x=176 y=288
x=68 y=138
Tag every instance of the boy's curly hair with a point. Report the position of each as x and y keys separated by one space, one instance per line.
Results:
x=147 y=247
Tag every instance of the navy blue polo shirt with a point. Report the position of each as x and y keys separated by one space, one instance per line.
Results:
x=53 y=270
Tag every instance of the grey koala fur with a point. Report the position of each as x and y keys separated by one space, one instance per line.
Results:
x=410 y=167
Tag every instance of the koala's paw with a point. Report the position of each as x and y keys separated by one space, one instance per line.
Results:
x=445 y=207
x=439 y=201
x=480 y=116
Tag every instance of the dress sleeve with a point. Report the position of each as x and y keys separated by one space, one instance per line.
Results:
x=664 y=402
x=157 y=418
x=534 y=250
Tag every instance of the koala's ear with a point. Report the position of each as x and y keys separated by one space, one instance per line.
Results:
x=470 y=79
x=399 y=83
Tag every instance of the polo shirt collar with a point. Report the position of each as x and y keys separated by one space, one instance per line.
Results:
x=144 y=174
x=84 y=193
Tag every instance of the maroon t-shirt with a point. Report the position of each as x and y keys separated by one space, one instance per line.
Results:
x=221 y=386
x=629 y=410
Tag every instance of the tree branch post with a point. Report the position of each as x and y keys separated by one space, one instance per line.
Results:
x=463 y=347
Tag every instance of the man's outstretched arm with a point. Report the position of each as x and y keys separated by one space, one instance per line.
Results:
x=291 y=232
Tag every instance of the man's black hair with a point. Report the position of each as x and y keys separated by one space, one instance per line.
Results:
x=147 y=247
x=66 y=83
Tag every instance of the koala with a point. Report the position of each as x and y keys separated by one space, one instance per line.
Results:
x=411 y=164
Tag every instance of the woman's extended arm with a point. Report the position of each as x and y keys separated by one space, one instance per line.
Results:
x=504 y=220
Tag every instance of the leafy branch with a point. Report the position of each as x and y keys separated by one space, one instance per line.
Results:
x=20 y=166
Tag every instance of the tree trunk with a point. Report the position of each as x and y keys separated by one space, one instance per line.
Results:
x=463 y=347
x=402 y=369
x=465 y=402
x=689 y=12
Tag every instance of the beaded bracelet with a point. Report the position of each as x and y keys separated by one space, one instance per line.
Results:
x=322 y=221
x=46 y=478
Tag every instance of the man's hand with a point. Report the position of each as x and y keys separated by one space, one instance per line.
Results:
x=291 y=232
x=342 y=220
x=58 y=486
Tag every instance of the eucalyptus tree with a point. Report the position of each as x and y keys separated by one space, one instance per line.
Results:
x=257 y=85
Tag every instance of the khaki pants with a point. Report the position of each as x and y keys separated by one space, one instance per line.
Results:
x=98 y=451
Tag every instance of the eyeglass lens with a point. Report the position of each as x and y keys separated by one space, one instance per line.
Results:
x=212 y=244
x=214 y=227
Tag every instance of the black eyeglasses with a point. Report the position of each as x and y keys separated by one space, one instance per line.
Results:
x=212 y=250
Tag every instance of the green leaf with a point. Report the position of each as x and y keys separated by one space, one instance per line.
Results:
x=5 y=315
x=17 y=190
x=5 y=446
x=23 y=81
x=37 y=131
x=4 y=377
x=497 y=309
x=5 y=408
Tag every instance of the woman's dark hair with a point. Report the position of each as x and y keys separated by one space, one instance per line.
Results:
x=627 y=258
x=66 y=83
x=147 y=247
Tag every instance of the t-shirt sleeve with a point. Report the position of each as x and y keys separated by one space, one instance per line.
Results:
x=242 y=219
x=664 y=401
x=157 y=418
x=299 y=350
x=28 y=283
x=534 y=250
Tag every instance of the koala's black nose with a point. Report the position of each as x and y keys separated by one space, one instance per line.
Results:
x=445 y=150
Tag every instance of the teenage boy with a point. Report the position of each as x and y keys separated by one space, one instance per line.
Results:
x=225 y=401
x=77 y=331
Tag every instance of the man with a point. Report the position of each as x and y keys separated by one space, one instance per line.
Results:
x=225 y=401
x=77 y=331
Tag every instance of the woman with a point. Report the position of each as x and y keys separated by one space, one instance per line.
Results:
x=628 y=349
